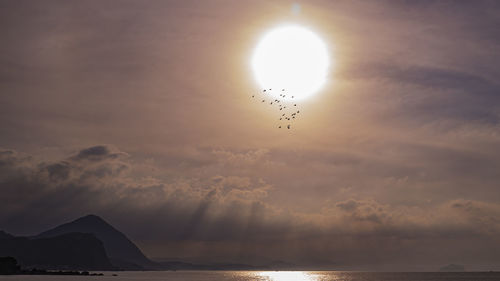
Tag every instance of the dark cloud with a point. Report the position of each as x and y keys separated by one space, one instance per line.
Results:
x=96 y=153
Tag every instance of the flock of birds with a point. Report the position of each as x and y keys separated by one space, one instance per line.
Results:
x=288 y=110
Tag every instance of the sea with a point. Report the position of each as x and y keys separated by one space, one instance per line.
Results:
x=267 y=276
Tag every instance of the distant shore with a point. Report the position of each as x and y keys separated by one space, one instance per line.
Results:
x=56 y=272
x=9 y=266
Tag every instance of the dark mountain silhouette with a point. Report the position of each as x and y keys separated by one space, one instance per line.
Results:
x=4 y=235
x=122 y=252
x=67 y=251
x=90 y=243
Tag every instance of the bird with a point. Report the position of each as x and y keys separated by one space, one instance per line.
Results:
x=295 y=105
x=279 y=127
x=288 y=126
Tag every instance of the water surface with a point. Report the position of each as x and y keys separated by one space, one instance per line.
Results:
x=268 y=276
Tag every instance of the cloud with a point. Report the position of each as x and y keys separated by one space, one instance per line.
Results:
x=431 y=94
x=191 y=216
x=98 y=178
x=98 y=153
x=363 y=211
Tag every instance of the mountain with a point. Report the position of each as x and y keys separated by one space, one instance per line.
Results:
x=122 y=252
x=67 y=251
x=4 y=235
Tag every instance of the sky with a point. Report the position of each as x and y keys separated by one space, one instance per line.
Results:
x=140 y=112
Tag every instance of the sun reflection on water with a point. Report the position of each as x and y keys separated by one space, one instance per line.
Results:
x=286 y=276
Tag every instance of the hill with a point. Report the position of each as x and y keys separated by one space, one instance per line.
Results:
x=122 y=252
x=67 y=251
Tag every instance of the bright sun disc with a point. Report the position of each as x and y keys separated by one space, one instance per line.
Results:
x=291 y=58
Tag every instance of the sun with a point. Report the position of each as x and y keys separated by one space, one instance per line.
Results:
x=291 y=57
